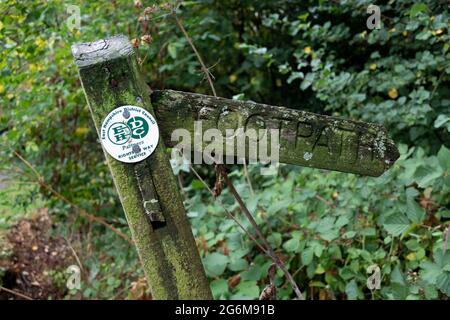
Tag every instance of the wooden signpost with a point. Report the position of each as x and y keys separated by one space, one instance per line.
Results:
x=147 y=189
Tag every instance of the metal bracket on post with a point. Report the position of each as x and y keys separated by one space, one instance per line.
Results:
x=150 y=199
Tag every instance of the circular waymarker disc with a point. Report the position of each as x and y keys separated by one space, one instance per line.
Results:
x=129 y=134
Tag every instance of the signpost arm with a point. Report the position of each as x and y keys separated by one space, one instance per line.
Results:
x=306 y=139
x=148 y=191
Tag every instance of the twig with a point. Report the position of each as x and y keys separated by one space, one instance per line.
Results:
x=226 y=210
x=205 y=70
x=82 y=212
x=446 y=232
x=16 y=293
x=199 y=58
x=74 y=254
x=272 y=253
x=247 y=176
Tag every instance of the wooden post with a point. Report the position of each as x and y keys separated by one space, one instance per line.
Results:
x=148 y=191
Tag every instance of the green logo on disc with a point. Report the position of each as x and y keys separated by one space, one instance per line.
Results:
x=120 y=132
x=138 y=127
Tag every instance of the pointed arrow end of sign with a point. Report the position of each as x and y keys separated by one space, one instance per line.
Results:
x=391 y=154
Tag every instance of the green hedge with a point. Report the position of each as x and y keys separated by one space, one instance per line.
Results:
x=313 y=55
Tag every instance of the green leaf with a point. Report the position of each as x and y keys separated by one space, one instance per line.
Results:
x=349 y=234
x=238 y=265
x=442 y=259
x=307 y=256
x=425 y=175
x=275 y=239
x=307 y=81
x=443 y=283
x=414 y=211
x=351 y=290
x=399 y=291
x=291 y=245
x=215 y=263
x=444 y=158
x=430 y=293
x=254 y=273
x=396 y=224
x=172 y=49
x=247 y=290
x=219 y=288
x=197 y=184
x=397 y=276
x=430 y=271
x=417 y=8
x=441 y=120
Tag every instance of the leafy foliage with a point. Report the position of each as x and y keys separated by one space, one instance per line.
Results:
x=315 y=55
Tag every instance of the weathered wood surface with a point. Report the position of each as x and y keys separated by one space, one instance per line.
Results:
x=148 y=191
x=306 y=139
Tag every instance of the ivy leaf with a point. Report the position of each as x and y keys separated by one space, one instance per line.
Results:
x=396 y=224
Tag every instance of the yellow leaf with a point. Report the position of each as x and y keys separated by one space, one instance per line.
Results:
x=320 y=269
x=439 y=31
x=393 y=94
x=33 y=67
x=40 y=43
x=1 y=25
x=10 y=96
x=278 y=83
x=405 y=33
x=373 y=66
x=307 y=50
x=232 y=78
x=2 y=88
x=81 y=131
x=411 y=256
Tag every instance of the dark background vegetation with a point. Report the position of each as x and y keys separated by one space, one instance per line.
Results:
x=317 y=56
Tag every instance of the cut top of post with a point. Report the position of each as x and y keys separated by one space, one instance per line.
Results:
x=91 y=53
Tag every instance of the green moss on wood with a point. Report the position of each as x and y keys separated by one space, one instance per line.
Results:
x=306 y=139
x=110 y=77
